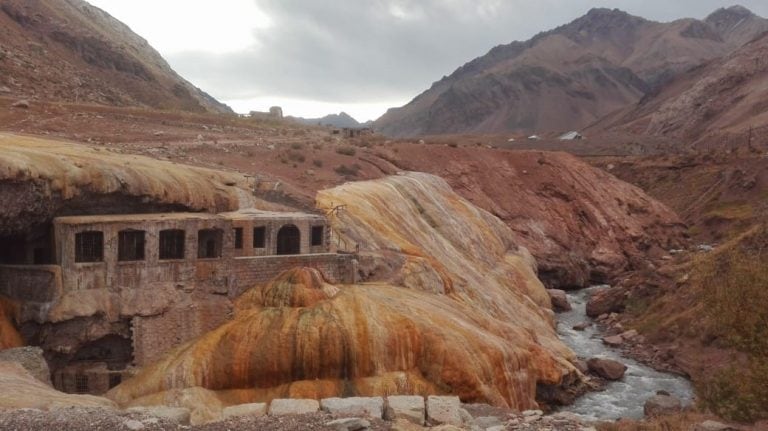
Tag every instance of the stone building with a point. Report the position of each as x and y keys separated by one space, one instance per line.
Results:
x=159 y=280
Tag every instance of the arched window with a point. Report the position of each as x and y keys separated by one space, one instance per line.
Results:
x=289 y=240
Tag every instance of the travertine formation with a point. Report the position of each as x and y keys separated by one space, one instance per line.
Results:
x=452 y=305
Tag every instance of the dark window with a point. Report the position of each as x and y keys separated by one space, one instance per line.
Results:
x=209 y=243
x=89 y=247
x=81 y=383
x=259 y=237
x=114 y=380
x=238 y=237
x=172 y=244
x=130 y=245
x=42 y=256
x=317 y=235
x=289 y=240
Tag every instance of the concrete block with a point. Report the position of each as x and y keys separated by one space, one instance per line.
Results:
x=354 y=406
x=291 y=406
x=444 y=410
x=408 y=407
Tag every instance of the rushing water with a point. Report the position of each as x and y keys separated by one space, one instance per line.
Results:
x=624 y=398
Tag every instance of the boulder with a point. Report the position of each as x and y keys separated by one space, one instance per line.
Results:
x=31 y=358
x=292 y=406
x=613 y=341
x=21 y=104
x=628 y=335
x=408 y=407
x=349 y=424
x=444 y=410
x=607 y=368
x=559 y=300
x=176 y=414
x=487 y=422
x=713 y=426
x=581 y=326
x=354 y=406
x=660 y=405
x=606 y=301
x=251 y=410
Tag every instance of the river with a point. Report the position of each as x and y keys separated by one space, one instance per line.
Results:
x=624 y=398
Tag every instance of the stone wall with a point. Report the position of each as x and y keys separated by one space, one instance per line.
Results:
x=30 y=283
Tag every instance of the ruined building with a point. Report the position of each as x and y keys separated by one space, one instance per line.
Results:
x=104 y=293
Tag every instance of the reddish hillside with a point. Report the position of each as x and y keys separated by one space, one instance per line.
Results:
x=68 y=50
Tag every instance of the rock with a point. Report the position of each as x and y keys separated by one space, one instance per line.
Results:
x=4 y=89
x=713 y=426
x=31 y=358
x=628 y=335
x=176 y=414
x=559 y=300
x=408 y=407
x=133 y=425
x=290 y=406
x=251 y=410
x=444 y=410
x=606 y=301
x=607 y=368
x=21 y=104
x=354 y=406
x=487 y=422
x=613 y=341
x=581 y=326
x=349 y=424
x=496 y=428
x=659 y=405
x=581 y=365
x=532 y=413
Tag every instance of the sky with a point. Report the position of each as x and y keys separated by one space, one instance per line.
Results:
x=316 y=57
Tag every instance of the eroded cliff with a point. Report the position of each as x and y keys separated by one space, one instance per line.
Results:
x=451 y=305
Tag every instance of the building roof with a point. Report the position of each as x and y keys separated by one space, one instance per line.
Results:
x=247 y=214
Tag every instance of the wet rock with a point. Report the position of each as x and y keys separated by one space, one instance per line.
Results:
x=659 y=405
x=613 y=341
x=581 y=326
x=354 y=406
x=559 y=300
x=606 y=301
x=408 y=407
x=349 y=424
x=285 y=406
x=21 y=104
x=251 y=410
x=581 y=365
x=607 y=368
x=713 y=426
x=444 y=410
x=487 y=422
x=176 y=414
x=628 y=335
x=31 y=358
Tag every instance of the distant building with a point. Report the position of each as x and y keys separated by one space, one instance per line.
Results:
x=276 y=112
x=534 y=138
x=571 y=136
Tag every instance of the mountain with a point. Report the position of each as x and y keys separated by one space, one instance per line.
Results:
x=571 y=76
x=68 y=50
x=726 y=96
x=342 y=119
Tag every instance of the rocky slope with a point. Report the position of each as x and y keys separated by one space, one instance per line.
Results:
x=452 y=305
x=583 y=225
x=567 y=78
x=342 y=119
x=71 y=51
x=715 y=105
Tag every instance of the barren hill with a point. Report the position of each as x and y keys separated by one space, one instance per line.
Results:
x=68 y=50
x=571 y=76
x=724 y=97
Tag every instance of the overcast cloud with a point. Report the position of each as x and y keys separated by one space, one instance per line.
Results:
x=316 y=57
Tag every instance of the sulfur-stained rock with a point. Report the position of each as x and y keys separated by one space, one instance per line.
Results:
x=372 y=407
x=9 y=336
x=288 y=406
x=444 y=410
x=250 y=410
x=408 y=407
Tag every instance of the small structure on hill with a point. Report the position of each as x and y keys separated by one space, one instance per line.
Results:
x=534 y=138
x=571 y=136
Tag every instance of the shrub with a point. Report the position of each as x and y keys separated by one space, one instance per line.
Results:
x=318 y=163
x=347 y=171
x=297 y=146
x=347 y=151
x=296 y=157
